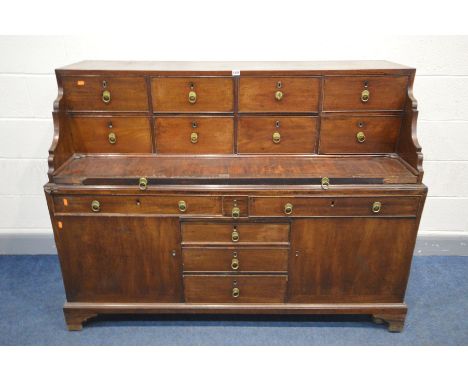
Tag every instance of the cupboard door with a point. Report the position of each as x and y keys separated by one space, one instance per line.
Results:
x=120 y=259
x=350 y=259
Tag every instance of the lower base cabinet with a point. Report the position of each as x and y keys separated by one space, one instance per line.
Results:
x=113 y=263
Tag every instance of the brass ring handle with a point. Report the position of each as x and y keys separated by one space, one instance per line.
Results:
x=276 y=137
x=235 y=236
x=106 y=96
x=182 y=206
x=279 y=95
x=192 y=97
x=235 y=212
x=376 y=207
x=112 y=138
x=143 y=183
x=235 y=264
x=325 y=182
x=235 y=292
x=365 y=95
x=288 y=208
x=361 y=137
x=95 y=206
x=194 y=137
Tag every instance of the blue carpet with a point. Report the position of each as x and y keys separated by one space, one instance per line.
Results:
x=31 y=298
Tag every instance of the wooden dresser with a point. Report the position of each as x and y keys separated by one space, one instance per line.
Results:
x=235 y=187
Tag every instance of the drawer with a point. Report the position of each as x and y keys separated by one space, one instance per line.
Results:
x=334 y=206
x=135 y=204
x=86 y=93
x=235 y=289
x=266 y=135
x=279 y=94
x=242 y=233
x=346 y=93
x=366 y=134
x=174 y=94
x=233 y=259
x=111 y=134
x=236 y=206
x=194 y=135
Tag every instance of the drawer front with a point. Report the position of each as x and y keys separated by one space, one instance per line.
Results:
x=194 y=135
x=235 y=289
x=174 y=94
x=346 y=93
x=233 y=259
x=279 y=94
x=82 y=93
x=236 y=206
x=266 y=135
x=111 y=134
x=366 y=134
x=222 y=233
x=135 y=204
x=330 y=206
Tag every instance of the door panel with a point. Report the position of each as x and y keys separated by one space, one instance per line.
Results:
x=120 y=259
x=350 y=259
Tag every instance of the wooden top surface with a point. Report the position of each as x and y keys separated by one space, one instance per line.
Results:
x=226 y=67
x=104 y=169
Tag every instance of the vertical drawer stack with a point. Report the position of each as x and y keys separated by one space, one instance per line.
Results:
x=108 y=114
x=362 y=114
x=235 y=262
x=278 y=115
x=193 y=115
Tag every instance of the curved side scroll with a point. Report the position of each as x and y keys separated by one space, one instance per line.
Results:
x=61 y=148
x=408 y=146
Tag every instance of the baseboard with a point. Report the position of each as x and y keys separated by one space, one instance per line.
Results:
x=27 y=243
x=441 y=244
x=42 y=243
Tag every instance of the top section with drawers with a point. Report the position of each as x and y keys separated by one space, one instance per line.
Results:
x=234 y=109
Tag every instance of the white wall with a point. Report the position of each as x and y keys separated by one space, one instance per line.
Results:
x=28 y=88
